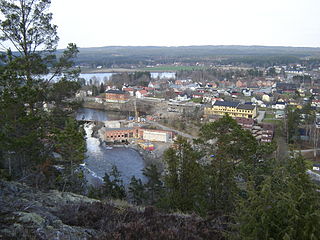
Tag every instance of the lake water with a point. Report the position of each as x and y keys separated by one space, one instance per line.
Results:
x=104 y=77
x=100 y=159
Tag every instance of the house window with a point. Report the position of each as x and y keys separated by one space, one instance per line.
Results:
x=131 y=134
x=126 y=135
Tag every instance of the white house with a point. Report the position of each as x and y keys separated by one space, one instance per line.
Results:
x=141 y=93
x=256 y=101
x=266 y=97
x=279 y=105
x=182 y=97
x=316 y=167
x=193 y=86
x=247 y=92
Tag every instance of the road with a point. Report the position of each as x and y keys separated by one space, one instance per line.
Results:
x=171 y=129
x=314 y=176
x=307 y=150
x=260 y=116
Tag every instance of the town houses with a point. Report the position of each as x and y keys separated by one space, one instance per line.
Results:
x=253 y=101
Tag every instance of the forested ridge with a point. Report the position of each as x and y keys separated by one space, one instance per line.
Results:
x=126 y=56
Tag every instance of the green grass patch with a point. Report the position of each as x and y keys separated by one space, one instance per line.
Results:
x=269 y=115
x=173 y=68
x=273 y=121
x=196 y=100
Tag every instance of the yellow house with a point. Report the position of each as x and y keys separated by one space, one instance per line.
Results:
x=234 y=109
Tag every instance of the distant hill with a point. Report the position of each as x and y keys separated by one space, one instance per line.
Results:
x=144 y=55
x=201 y=50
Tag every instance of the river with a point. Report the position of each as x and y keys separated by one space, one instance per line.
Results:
x=100 y=159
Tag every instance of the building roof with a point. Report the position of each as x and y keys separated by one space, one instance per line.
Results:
x=116 y=91
x=267 y=126
x=285 y=85
x=245 y=121
x=226 y=104
x=246 y=106
x=128 y=89
x=143 y=91
x=198 y=94
x=118 y=129
x=280 y=103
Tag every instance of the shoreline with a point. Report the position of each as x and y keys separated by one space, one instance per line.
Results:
x=123 y=70
x=147 y=156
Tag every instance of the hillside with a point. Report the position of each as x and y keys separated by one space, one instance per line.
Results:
x=27 y=213
x=151 y=55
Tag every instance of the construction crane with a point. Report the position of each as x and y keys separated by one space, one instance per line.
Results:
x=136 y=113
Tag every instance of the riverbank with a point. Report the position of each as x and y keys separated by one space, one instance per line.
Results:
x=130 y=70
x=151 y=157
x=110 y=107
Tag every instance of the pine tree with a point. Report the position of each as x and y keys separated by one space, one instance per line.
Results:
x=113 y=186
x=70 y=144
x=284 y=206
x=231 y=155
x=184 y=178
x=137 y=191
x=26 y=125
x=102 y=88
x=154 y=185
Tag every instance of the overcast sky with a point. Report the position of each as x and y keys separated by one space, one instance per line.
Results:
x=95 y=23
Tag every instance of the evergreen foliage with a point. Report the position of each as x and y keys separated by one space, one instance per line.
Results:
x=154 y=185
x=35 y=109
x=113 y=185
x=183 y=181
x=137 y=191
x=284 y=206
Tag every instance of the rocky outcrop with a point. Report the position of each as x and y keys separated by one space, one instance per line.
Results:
x=26 y=213
x=29 y=214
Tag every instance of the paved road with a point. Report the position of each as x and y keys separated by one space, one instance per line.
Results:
x=307 y=150
x=171 y=129
x=314 y=175
x=260 y=116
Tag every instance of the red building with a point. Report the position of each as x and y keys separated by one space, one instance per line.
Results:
x=116 y=96
x=128 y=134
x=121 y=134
x=246 y=123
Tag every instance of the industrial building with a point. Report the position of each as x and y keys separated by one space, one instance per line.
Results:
x=156 y=135
x=129 y=134
x=121 y=134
